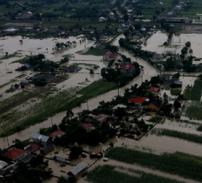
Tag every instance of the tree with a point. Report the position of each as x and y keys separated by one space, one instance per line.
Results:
x=75 y=152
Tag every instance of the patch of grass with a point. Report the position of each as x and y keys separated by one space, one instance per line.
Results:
x=182 y=135
x=97 y=51
x=178 y=163
x=175 y=91
x=156 y=119
x=194 y=111
x=108 y=174
x=194 y=93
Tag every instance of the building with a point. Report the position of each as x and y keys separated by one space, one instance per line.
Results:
x=56 y=134
x=110 y=56
x=14 y=154
x=44 y=141
x=137 y=100
x=38 y=138
x=78 y=169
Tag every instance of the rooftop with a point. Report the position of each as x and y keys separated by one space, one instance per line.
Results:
x=13 y=153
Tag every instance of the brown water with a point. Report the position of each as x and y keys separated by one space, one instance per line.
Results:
x=155 y=42
x=9 y=75
x=149 y=71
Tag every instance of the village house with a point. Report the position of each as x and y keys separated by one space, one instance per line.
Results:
x=44 y=141
x=56 y=134
x=110 y=56
x=14 y=154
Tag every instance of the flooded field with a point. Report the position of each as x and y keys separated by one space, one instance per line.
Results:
x=18 y=47
x=148 y=72
x=155 y=43
x=150 y=142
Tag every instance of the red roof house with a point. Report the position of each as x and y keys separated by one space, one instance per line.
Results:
x=110 y=56
x=154 y=89
x=127 y=66
x=13 y=153
x=56 y=133
x=87 y=126
x=137 y=100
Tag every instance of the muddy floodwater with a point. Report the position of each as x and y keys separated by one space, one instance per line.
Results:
x=156 y=144
x=155 y=43
x=18 y=47
x=148 y=72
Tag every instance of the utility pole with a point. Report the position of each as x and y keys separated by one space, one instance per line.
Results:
x=8 y=141
x=51 y=118
x=87 y=105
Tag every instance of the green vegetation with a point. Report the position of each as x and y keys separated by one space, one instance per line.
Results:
x=194 y=93
x=182 y=135
x=194 y=111
x=178 y=163
x=175 y=91
x=15 y=121
x=109 y=174
x=156 y=119
x=97 y=51
x=194 y=7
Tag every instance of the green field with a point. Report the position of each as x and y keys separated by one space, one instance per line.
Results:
x=194 y=110
x=182 y=135
x=184 y=165
x=108 y=174
x=194 y=8
x=194 y=93
x=97 y=51
x=12 y=120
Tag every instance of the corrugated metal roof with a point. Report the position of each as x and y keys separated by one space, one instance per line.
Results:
x=40 y=138
x=3 y=164
x=79 y=168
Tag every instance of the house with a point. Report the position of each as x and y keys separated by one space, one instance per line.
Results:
x=61 y=160
x=176 y=84
x=56 y=134
x=102 y=19
x=14 y=154
x=152 y=107
x=127 y=68
x=33 y=148
x=78 y=170
x=119 y=106
x=41 y=139
x=44 y=141
x=110 y=56
x=154 y=90
x=24 y=16
x=137 y=100
x=102 y=118
x=88 y=127
x=6 y=168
